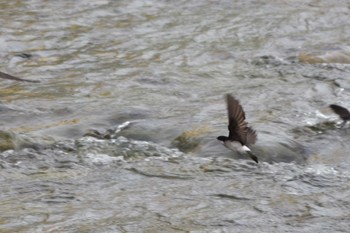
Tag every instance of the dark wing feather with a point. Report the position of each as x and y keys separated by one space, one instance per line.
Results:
x=237 y=126
x=251 y=136
x=341 y=111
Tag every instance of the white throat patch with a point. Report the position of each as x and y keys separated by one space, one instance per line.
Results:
x=236 y=146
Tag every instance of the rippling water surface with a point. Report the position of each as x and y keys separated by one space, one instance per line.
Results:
x=120 y=133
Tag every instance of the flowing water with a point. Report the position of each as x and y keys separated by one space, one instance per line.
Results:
x=120 y=133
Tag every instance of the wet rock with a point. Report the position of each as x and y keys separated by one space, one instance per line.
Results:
x=10 y=140
x=121 y=148
x=268 y=60
x=189 y=141
x=318 y=128
x=329 y=57
x=95 y=133
x=114 y=132
x=6 y=141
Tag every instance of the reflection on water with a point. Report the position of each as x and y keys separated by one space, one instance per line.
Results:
x=165 y=66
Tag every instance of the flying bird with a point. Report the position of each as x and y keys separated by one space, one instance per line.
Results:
x=240 y=135
x=342 y=112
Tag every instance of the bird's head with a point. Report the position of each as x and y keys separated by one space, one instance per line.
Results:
x=221 y=138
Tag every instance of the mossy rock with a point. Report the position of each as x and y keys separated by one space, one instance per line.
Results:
x=189 y=140
x=6 y=140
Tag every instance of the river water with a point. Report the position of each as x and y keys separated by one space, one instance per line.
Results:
x=120 y=133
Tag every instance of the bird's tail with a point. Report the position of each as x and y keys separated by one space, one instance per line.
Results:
x=252 y=156
x=343 y=123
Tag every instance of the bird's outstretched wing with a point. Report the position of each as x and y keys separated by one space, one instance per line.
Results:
x=342 y=112
x=251 y=136
x=237 y=125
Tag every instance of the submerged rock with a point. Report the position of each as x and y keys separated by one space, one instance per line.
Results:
x=329 y=57
x=121 y=148
x=318 y=128
x=189 y=140
x=6 y=141
x=11 y=141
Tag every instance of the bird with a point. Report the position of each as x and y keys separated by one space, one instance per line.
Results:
x=342 y=112
x=240 y=135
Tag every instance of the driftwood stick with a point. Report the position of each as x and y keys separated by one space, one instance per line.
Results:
x=7 y=76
